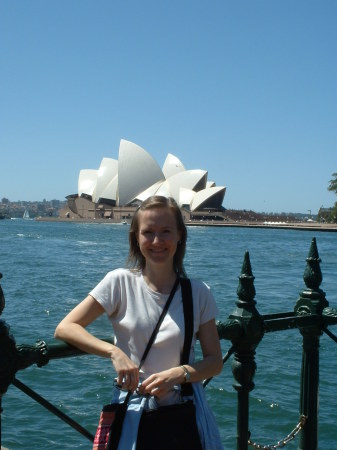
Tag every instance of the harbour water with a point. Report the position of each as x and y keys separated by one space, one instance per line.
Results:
x=49 y=267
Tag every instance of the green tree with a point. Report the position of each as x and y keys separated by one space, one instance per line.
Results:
x=334 y=214
x=333 y=183
x=328 y=215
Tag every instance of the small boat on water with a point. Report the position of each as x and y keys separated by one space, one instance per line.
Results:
x=26 y=214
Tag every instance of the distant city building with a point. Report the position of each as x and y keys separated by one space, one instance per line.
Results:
x=117 y=187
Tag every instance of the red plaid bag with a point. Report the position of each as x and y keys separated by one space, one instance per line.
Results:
x=107 y=423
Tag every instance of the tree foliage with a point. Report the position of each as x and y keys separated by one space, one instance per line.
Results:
x=328 y=215
x=333 y=183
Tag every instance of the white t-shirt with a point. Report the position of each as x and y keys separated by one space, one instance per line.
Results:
x=134 y=309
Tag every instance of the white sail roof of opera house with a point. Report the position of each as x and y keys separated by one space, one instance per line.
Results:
x=87 y=181
x=152 y=190
x=172 y=165
x=107 y=172
x=110 y=191
x=205 y=196
x=189 y=179
x=137 y=170
x=137 y=176
x=185 y=196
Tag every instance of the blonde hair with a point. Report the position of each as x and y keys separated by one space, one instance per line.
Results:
x=136 y=260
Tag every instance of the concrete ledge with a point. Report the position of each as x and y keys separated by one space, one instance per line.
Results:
x=308 y=226
x=304 y=226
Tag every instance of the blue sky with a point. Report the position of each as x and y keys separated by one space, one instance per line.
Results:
x=244 y=89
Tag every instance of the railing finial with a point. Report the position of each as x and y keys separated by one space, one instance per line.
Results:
x=246 y=289
x=312 y=299
x=312 y=273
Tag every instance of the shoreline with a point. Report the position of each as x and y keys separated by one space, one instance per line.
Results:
x=303 y=226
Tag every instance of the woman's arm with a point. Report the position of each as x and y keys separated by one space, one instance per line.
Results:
x=160 y=383
x=211 y=364
x=72 y=330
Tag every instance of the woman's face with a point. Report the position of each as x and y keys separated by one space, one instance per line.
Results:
x=158 y=235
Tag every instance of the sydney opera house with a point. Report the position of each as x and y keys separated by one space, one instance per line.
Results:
x=117 y=187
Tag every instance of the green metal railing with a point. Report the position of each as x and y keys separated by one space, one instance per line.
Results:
x=311 y=316
x=244 y=327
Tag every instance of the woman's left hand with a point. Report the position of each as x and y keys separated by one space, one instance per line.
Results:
x=159 y=384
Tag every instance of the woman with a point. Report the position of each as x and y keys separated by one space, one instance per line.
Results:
x=134 y=298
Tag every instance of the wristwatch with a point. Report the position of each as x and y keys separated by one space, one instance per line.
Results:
x=187 y=374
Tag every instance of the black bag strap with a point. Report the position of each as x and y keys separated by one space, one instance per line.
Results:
x=117 y=424
x=160 y=321
x=186 y=289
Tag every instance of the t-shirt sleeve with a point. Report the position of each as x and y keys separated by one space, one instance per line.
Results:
x=208 y=309
x=108 y=292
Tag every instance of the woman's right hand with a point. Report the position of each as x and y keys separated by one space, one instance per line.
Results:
x=72 y=330
x=127 y=371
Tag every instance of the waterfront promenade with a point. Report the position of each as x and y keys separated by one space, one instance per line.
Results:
x=305 y=226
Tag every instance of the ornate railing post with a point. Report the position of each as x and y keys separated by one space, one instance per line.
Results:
x=312 y=301
x=7 y=352
x=2 y=305
x=243 y=365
